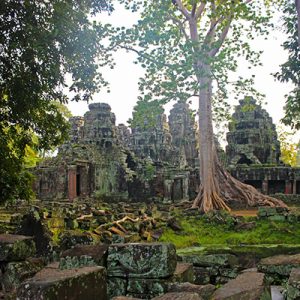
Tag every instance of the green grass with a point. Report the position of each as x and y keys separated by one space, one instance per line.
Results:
x=198 y=231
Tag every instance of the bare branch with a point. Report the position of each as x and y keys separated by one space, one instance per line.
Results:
x=200 y=10
x=222 y=38
x=183 y=10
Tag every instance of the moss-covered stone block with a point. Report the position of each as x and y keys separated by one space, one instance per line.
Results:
x=143 y=260
x=293 y=287
x=146 y=288
x=52 y=283
x=201 y=275
x=211 y=260
x=16 y=247
x=116 y=286
x=16 y=272
x=84 y=255
x=279 y=267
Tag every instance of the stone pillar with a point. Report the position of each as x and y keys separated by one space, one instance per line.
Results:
x=294 y=187
x=72 y=183
x=265 y=186
x=288 y=187
x=167 y=189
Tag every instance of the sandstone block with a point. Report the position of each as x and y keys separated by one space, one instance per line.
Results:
x=16 y=247
x=179 y=296
x=156 y=260
x=247 y=286
x=204 y=291
x=53 y=283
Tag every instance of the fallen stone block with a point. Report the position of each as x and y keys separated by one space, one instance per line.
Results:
x=84 y=255
x=247 y=286
x=178 y=296
x=201 y=275
x=293 y=287
x=278 y=267
x=53 y=283
x=16 y=272
x=125 y=298
x=183 y=273
x=16 y=247
x=204 y=291
x=143 y=260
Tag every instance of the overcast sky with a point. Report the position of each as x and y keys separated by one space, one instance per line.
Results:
x=124 y=78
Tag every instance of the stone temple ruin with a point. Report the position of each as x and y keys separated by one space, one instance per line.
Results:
x=104 y=160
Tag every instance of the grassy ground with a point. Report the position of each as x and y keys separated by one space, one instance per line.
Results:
x=201 y=230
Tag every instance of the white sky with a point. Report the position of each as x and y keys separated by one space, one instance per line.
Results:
x=124 y=78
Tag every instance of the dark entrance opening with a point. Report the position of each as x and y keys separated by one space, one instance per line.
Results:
x=78 y=184
x=177 y=190
x=255 y=183
x=244 y=160
x=297 y=187
x=276 y=186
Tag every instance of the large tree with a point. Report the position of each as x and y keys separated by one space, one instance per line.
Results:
x=187 y=49
x=40 y=43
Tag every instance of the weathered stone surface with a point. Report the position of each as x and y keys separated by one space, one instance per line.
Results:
x=156 y=260
x=204 y=291
x=84 y=255
x=201 y=275
x=247 y=286
x=116 y=286
x=124 y=298
x=16 y=247
x=211 y=260
x=146 y=288
x=16 y=272
x=52 y=283
x=293 y=287
x=183 y=273
x=279 y=265
x=179 y=296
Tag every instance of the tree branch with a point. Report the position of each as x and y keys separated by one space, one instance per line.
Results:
x=183 y=10
x=145 y=56
x=221 y=39
x=200 y=10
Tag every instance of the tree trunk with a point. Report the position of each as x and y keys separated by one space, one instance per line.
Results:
x=217 y=186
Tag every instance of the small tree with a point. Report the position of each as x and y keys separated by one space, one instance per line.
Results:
x=186 y=47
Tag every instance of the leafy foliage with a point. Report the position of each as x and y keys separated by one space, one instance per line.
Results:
x=287 y=147
x=41 y=42
x=290 y=70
